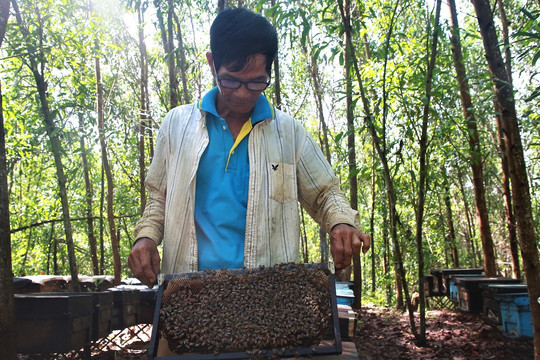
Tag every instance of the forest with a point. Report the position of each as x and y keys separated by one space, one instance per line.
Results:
x=428 y=111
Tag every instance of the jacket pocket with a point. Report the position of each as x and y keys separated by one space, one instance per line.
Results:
x=282 y=181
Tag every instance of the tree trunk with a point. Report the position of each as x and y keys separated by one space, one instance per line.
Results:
x=372 y=221
x=170 y=54
x=115 y=246
x=277 y=78
x=353 y=183
x=305 y=253
x=509 y=211
x=451 y=239
x=391 y=193
x=516 y=161
x=89 y=200
x=181 y=57
x=7 y=304
x=8 y=343
x=324 y=143
x=53 y=133
x=490 y=267
x=507 y=196
x=470 y=235
x=145 y=109
x=422 y=183
x=167 y=35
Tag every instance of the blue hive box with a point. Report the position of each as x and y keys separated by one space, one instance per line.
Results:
x=344 y=293
x=516 y=314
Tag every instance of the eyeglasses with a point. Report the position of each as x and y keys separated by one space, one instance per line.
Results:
x=250 y=85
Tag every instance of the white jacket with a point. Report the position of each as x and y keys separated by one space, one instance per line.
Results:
x=286 y=167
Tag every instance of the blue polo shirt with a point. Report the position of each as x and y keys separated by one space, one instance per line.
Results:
x=221 y=193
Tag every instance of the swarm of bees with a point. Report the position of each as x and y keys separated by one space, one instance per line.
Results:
x=277 y=308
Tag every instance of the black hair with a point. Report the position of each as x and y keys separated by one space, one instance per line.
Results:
x=237 y=34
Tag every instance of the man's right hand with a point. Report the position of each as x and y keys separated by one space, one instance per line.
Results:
x=144 y=261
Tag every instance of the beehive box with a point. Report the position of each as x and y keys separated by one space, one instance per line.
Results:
x=470 y=293
x=52 y=322
x=49 y=283
x=347 y=322
x=283 y=310
x=103 y=303
x=446 y=275
x=344 y=293
x=125 y=312
x=438 y=286
x=147 y=301
x=491 y=306
x=516 y=314
x=453 y=293
x=428 y=286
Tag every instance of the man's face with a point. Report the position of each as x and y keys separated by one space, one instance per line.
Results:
x=241 y=100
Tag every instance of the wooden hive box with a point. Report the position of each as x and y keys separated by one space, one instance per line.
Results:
x=453 y=292
x=103 y=303
x=125 y=312
x=470 y=293
x=491 y=305
x=516 y=314
x=446 y=274
x=52 y=322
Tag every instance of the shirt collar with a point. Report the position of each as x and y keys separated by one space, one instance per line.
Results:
x=263 y=108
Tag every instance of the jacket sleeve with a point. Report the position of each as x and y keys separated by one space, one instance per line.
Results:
x=151 y=224
x=318 y=187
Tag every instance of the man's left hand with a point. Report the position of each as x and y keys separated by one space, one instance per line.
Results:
x=346 y=242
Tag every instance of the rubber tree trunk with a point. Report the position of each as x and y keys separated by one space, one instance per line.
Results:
x=181 y=61
x=509 y=211
x=422 y=182
x=475 y=153
x=92 y=242
x=53 y=133
x=351 y=150
x=145 y=108
x=451 y=240
x=115 y=246
x=7 y=305
x=516 y=161
x=324 y=142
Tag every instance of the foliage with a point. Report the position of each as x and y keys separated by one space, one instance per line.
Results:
x=391 y=40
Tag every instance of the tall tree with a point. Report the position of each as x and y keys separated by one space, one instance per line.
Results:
x=505 y=170
x=422 y=179
x=38 y=66
x=89 y=199
x=476 y=160
x=351 y=149
x=115 y=242
x=451 y=239
x=167 y=40
x=144 y=116
x=516 y=160
x=7 y=304
x=181 y=59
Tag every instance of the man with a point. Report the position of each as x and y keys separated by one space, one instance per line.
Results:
x=229 y=171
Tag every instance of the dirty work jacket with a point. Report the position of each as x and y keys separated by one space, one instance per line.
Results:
x=286 y=167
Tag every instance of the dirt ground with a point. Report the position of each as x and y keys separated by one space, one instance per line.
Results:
x=383 y=333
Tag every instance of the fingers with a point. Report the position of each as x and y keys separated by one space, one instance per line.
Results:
x=144 y=261
x=366 y=242
x=346 y=242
